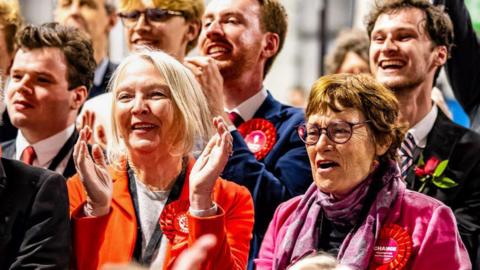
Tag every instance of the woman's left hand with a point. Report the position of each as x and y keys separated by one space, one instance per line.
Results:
x=209 y=165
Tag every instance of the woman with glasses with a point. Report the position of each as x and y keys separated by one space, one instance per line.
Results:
x=358 y=208
x=171 y=26
x=155 y=201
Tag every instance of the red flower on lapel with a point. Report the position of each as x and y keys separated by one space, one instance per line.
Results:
x=433 y=171
x=428 y=168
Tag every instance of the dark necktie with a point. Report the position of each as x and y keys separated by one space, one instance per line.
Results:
x=236 y=119
x=28 y=155
x=406 y=152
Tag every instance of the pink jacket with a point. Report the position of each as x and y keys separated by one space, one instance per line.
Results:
x=431 y=225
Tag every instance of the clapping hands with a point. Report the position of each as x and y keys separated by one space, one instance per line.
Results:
x=94 y=175
x=209 y=165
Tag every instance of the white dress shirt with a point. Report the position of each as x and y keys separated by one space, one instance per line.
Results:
x=46 y=149
x=421 y=129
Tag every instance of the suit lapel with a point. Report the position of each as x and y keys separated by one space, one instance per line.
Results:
x=8 y=149
x=443 y=143
x=121 y=194
x=270 y=110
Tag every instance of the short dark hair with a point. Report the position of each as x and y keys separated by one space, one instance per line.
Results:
x=273 y=18
x=438 y=25
x=74 y=44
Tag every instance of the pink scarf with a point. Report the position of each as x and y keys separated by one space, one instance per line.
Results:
x=302 y=235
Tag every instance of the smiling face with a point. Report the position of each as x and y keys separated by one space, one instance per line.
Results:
x=232 y=35
x=143 y=108
x=402 y=55
x=38 y=96
x=339 y=168
x=170 y=36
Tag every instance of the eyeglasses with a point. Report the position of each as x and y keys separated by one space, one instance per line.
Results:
x=338 y=132
x=152 y=15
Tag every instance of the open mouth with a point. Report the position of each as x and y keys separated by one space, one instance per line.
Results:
x=391 y=64
x=218 y=50
x=326 y=164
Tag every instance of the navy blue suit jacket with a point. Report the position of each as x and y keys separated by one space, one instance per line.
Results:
x=102 y=88
x=284 y=173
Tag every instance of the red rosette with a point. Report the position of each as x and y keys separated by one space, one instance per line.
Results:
x=393 y=249
x=174 y=221
x=260 y=136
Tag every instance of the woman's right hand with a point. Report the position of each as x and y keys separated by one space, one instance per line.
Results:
x=94 y=175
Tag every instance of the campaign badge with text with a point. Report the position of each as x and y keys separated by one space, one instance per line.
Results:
x=393 y=249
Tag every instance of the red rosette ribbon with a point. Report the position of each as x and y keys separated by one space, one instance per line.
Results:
x=174 y=221
x=393 y=249
x=429 y=167
x=260 y=136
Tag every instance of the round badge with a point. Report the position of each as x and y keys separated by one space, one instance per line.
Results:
x=174 y=221
x=260 y=136
x=393 y=248
x=256 y=140
x=181 y=223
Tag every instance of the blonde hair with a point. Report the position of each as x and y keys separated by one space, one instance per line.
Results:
x=193 y=119
x=192 y=11
x=11 y=21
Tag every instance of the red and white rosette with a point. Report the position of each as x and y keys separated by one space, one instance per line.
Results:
x=174 y=221
x=393 y=248
x=260 y=136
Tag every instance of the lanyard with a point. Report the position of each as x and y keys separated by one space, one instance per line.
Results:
x=154 y=242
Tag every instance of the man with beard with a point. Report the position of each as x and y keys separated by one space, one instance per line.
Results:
x=243 y=37
x=410 y=42
x=95 y=18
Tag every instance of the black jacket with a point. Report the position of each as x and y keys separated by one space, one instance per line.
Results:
x=34 y=218
x=461 y=147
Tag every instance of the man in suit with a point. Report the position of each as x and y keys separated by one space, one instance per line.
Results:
x=34 y=218
x=96 y=18
x=410 y=42
x=50 y=77
x=243 y=37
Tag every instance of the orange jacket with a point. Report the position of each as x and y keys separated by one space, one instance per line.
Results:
x=111 y=238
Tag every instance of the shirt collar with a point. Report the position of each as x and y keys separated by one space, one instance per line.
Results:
x=46 y=149
x=249 y=107
x=421 y=129
x=100 y=72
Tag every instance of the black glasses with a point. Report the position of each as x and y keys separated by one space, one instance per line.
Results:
x=338 y=132
x=152 y=15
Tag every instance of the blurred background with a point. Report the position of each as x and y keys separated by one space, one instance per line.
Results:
x=313 y=26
